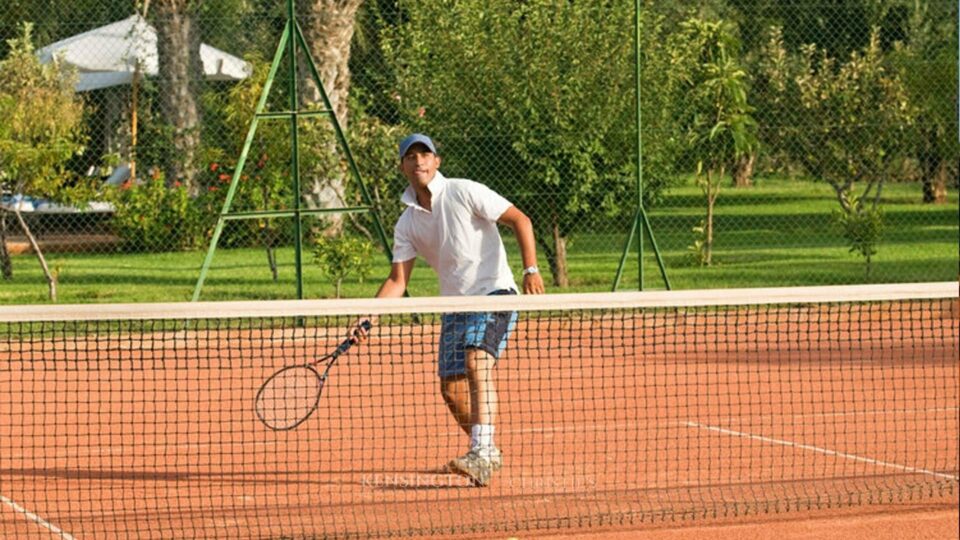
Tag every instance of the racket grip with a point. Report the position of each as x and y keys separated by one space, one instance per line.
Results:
x=345 y=346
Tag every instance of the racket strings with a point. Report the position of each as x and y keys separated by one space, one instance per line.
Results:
x=289 y=397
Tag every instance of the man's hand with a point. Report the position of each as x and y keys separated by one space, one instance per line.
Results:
x=533 y=283
x=360 y=330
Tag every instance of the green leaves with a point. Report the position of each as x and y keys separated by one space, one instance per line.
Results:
x=862 y=226
x=531 y=98
x=343 y=255
x=718 y=124
x=852 y=124
x=153 y=217
x=42 y=120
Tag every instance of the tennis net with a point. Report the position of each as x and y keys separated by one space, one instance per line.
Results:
x=138 y=420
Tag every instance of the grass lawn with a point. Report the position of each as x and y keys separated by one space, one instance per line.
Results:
x=776 y=233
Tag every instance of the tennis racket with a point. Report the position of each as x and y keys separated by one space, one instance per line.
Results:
x=291 y=395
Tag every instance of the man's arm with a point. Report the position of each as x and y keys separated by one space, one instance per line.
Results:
x=393 y=287
x=523 y=228
x=396 y=282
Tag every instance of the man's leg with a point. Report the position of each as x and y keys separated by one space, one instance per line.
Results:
x=484 y=335
x=483 y=391
x=483 y=458
x=456 y=394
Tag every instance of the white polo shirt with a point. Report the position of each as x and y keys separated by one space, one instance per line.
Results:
x=458 y=237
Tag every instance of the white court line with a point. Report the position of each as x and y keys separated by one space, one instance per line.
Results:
x=825 y=451
x=873 y=412
x=57 y=531
x=603 y=426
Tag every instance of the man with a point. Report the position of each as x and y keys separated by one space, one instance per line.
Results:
x=452 y=223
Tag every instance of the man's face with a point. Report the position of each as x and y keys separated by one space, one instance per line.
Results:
x=419 y=165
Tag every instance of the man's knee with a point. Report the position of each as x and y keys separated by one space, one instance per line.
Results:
x=478 y=360
x=453 y=388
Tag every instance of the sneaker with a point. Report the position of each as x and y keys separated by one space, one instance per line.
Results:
x=495 y=457
x=473 y=466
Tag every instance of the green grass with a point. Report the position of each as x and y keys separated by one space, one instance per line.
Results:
x=777 y=233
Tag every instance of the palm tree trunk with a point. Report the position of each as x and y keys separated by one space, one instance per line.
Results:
x=328 y=27
x=181 y=75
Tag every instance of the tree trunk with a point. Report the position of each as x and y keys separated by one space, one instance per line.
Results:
x=559 y=264
x=6 y=265
x=935 y=173
x=328 y=27
x=712 y=191
x=743 y=170
x=51 y=278
x=180 y=78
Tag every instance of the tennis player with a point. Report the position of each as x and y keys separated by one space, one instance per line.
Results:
x=452 y=224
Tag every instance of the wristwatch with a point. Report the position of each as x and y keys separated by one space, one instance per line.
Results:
x=530 y=270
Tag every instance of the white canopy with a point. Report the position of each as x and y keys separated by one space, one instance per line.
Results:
x=107 y=56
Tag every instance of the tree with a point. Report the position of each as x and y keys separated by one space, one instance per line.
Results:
x=180 y=78
x=850 y=129
x=541 y=86
x=927 y=57
x=837 y=27
x=341 y=256
x=54 y=20
x=328 y=27
x=717 y=118
x=40 y=132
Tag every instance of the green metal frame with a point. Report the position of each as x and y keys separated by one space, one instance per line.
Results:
x=640 y=218
x=291 y=41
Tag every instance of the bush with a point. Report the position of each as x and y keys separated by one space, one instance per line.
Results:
x=343 y=255
x=152 y=217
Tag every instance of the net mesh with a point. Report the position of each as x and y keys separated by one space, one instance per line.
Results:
x=139 y=421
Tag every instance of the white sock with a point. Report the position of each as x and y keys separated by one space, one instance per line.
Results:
x=481 y=436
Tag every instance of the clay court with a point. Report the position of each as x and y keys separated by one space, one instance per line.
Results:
x=622 y=423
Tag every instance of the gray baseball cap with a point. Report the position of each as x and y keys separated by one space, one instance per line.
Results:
x=414 y=139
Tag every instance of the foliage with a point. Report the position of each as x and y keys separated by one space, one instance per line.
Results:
x=928 y=63
x=153 y=217
x=54 y=20
x=852 y=124
x=838 y=27
x=538 y=85
x=698 y=249
x=663 y=100
x=342 y=256
x=862 y=227
x=42 y=120
x=41 y=130
x=265 y=182
x=373 y=143
x=717 y=120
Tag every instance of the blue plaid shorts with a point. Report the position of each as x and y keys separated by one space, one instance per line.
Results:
x=487 y=331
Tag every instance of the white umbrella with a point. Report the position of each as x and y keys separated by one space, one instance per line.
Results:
x=108 y=56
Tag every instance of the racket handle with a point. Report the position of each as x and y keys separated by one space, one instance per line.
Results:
x=349 y=342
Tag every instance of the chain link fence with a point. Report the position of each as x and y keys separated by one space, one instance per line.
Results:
x=782 y=143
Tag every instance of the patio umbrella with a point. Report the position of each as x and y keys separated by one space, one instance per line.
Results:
x=109 y=55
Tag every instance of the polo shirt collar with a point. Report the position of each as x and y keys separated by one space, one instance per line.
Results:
x=436 y=186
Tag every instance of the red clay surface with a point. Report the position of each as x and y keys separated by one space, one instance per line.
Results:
x=643 y=423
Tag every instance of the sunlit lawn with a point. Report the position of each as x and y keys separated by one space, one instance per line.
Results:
x=777 y=233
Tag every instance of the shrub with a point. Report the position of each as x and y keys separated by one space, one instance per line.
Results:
x=151 y=216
